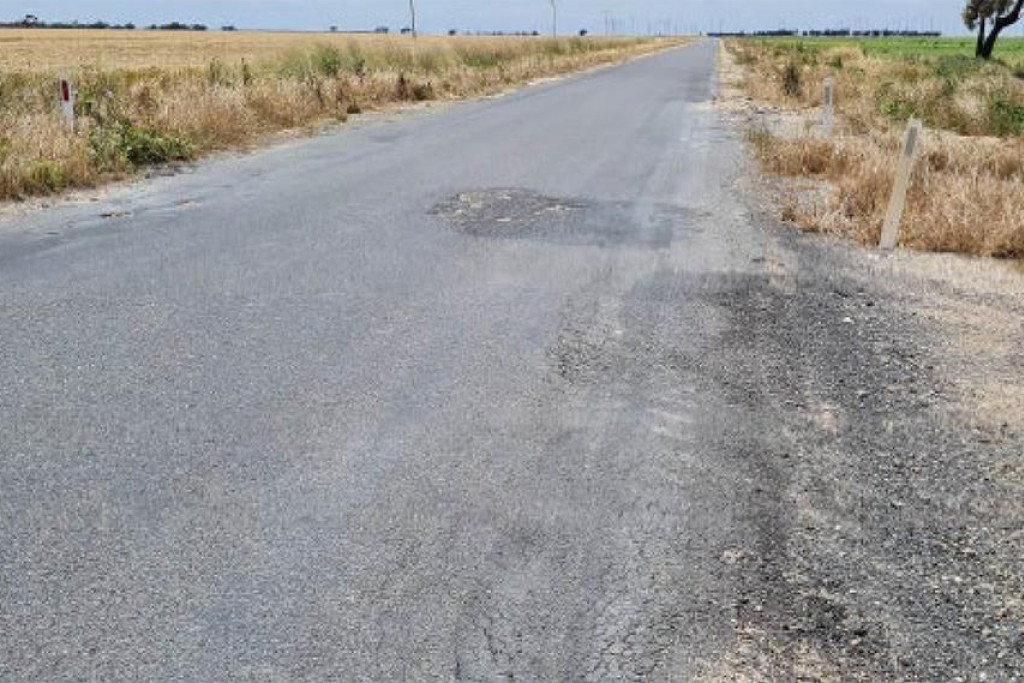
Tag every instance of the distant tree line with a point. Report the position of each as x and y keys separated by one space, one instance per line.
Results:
x=176 y=26
x=455 y=32
x=829 y=33
x=882 y=33
x=32 y=21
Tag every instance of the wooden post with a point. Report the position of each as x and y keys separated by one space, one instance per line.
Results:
x=898 y=201
x=828 y=115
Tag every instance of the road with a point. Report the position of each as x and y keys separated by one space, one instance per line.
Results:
x=488 y=393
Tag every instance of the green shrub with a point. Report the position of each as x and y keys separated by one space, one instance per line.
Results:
x=47 y=177
x=792 y=82
x=322 y=61
x=106 y=146
x=894 y=104
x=326 y=61
x=145 y=145
x=1006 y=116
x=99 y=98
x=957 y=67
x=119 y=146
x=899 y=109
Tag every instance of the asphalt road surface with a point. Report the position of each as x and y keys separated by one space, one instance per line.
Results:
x=479 y=394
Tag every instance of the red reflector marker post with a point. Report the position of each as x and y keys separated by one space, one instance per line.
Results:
x=67 y=101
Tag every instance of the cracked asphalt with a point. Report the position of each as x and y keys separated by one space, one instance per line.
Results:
x=526 y=389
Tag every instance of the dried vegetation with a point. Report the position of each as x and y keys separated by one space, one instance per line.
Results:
x=967 y=195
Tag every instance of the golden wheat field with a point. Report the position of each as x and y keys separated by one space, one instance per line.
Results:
x=148 y=97
x=58 y=50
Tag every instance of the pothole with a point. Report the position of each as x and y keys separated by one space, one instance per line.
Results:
x=515 y=214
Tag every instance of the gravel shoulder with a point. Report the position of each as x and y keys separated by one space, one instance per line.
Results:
x=894 y=392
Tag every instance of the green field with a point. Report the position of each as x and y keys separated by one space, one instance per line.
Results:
x=1009 y=50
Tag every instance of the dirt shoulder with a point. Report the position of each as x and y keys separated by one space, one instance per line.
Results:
x=895 y=387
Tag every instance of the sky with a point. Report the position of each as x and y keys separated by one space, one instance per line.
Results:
x=629 y=16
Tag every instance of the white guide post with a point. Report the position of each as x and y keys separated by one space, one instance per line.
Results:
x=829 y=111
x=893 y=218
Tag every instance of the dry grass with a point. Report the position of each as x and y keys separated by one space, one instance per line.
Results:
x=54 y=51
x=966 y=196
x=150 y=97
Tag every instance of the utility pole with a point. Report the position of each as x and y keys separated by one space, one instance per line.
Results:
x=412 y=16
x=554 y=18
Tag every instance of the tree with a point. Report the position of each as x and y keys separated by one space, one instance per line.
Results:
x=990 y=18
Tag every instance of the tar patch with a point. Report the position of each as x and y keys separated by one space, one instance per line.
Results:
x=515 y=214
